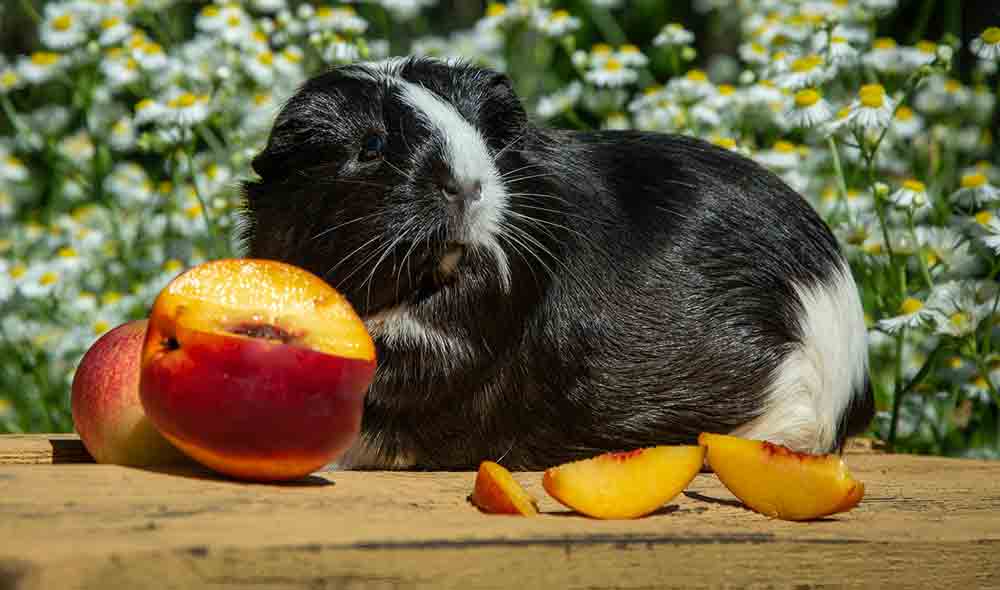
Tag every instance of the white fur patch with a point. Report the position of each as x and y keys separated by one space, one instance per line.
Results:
x=397 y=327
x=813 y=386
x=470 y=161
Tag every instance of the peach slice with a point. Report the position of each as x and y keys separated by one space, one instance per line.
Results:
x=256 y=368
x=779 y=482
x=624 y=485
x=497 y=492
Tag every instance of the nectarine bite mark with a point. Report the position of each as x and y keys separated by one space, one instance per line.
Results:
x=265 y=331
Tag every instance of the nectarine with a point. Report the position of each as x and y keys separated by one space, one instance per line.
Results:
x=778 y=482
x=624 y=485
x=257 y=369
x=107 y=413
x=498 y=492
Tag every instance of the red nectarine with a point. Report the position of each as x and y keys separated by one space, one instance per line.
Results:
x=105 y=404
x=256 y=368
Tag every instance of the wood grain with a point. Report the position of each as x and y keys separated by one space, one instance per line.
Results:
x=925 y=522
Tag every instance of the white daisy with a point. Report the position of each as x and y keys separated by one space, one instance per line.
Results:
x=955 y=309
x=560 y=101
x=884 y=56
x=806 y=71
x=906 y=123
x=693 y=86
x=10 y=80
x=341 y=20
x=975 y=191
x=754 y=53
x=987 y=44
x=77 y=148
x=63 y=27
x=672 y=35
x=611 y=74
x=148 y=110
x=40 y=66
x=923 y=53
x=991 y=235
x=260 y=67
x=872 y=109
x=187 y=108
x=113 y=30
x=783 y=155
x=148 y=54
x=12 y=168
x=630 y=56
x=912 y=313
x=122 y=134
x=808 y=109
x=340 y=50
x=271 y=6
x=557 y=23
x=911 y=195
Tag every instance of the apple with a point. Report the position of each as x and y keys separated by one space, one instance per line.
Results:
x=257 y=369
x=107 y=412
x=781 y=483
x=497 y=492
x=627 y=484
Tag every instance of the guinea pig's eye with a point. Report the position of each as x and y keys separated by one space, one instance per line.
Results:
x=371 y=148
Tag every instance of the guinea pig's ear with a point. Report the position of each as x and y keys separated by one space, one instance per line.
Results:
x=503 y=103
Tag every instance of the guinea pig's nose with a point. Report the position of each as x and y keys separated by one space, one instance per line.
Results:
x=456 y=191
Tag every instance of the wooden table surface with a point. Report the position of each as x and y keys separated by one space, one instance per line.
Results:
x=924 y=522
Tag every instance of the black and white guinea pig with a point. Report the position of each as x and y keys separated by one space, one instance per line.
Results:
x=540 y=295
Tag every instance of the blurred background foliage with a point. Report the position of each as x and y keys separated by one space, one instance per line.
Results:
x=95 y=223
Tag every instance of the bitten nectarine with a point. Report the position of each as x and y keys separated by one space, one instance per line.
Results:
x=107 y=413
x=256 y=368
x=781 y=483
x=498 y=492
x=624 y=485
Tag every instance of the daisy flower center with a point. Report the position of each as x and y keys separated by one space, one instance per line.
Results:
x=100 y=327
x=975 y=180
x=807 y=63
x=872 y=95
x=8 y=78
x=884 y=43
x=904 y=114
x=67 y=252
x=559 y=15
x=991 y=35
x=806 y=98
x=914 y=185
x=910 y=306
x=984 y=217
x=613 y=65
x=62 y=22
x=49 y=278
x=697 y=76
x=110 y=22
x=17 y=271
x=44 y=58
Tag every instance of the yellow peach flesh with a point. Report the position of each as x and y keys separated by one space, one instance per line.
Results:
x=624 y=485
x=778 y=482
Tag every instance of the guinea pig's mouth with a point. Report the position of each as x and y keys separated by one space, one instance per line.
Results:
x=436 y=273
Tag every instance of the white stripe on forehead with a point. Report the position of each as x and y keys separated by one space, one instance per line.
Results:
x=465 y=149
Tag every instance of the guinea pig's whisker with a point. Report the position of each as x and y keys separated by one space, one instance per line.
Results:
x=519 y=239
x=406 y=176
x=523 y=178
x=543 y=222
x=542 y=196
x=340 y=225
x=346 y=258
x=513 y=246
x=404 y=232
x=530 y=239
x=548 y=210
x=507 y=147
x=506 y=175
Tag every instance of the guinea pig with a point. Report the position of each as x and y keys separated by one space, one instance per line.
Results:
x=538 y=295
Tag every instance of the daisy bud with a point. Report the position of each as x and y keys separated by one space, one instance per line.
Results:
x=881 y=190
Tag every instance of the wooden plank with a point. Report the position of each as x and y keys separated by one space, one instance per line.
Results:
x=924 y=522
x=35 y=449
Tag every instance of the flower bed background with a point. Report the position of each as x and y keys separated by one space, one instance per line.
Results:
x=127 y=124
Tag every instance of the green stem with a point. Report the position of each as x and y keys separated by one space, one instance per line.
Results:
x=920 y=255
x=839 y=169
x=209 y=221
x=898 y=390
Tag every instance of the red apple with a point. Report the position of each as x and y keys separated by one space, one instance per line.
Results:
x=105 y=402
x=256 y=368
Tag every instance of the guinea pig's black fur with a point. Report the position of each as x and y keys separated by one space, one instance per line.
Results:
x=540 y=295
